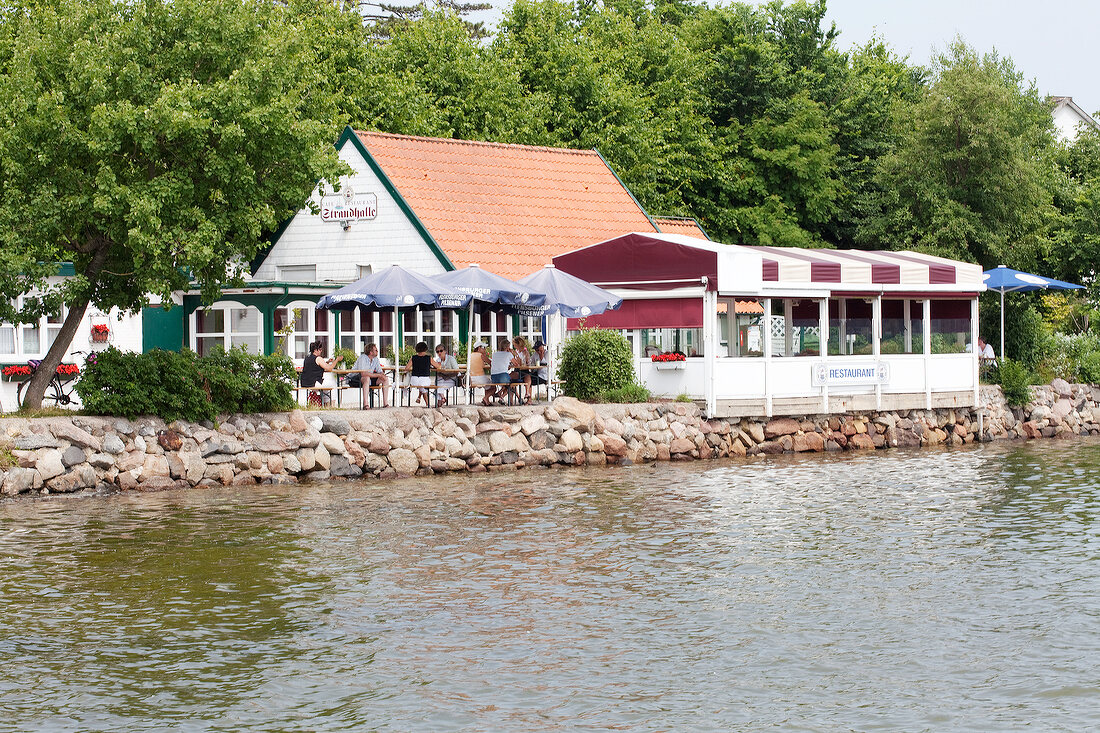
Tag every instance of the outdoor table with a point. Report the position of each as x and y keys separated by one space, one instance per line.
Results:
x=454 y=374
x=512 y=391
x=345 y=372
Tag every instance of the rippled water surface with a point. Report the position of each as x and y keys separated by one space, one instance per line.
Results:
x=927 y=590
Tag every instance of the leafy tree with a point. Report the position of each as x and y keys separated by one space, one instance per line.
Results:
x=971 y=176
x=387 y=18
x=1074 y=248
x=431 y=78
x=154 y=142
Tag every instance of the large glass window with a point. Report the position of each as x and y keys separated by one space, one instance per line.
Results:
x=307 y=324
x=31 y=339
x=804 y=338
x=228 y=325
x=686 y=341
x=850 y=330
x=902 y=326
x=740 y=327
x=431 y=326
x=950 y=326
x=359 y=327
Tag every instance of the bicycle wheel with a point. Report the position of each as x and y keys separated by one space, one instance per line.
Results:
x=19 y=393
x=55 y=393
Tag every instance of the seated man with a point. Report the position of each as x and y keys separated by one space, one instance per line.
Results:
x=372 y=374
x=445 y=382
x=539 y=359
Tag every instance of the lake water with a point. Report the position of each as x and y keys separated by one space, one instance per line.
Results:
x=903 y=591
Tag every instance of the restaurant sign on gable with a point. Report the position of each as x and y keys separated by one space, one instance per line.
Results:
x=850 y=373
x=347 y=206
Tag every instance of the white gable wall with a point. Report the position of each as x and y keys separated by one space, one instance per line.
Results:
x=388 y=239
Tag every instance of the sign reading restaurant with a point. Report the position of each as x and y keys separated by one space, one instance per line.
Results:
x=850 y=373
x=347 y=206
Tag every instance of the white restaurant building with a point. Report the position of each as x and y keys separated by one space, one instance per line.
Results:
x=786 y=331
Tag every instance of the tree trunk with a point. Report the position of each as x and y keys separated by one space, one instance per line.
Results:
x=36 y=388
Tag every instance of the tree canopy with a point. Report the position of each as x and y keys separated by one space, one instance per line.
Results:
x=154 y=142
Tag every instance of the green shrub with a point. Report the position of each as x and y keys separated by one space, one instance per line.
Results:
x=1015 y=380
x=181 y=385
x=596 y=361
x=629 y=393
x=684 y=397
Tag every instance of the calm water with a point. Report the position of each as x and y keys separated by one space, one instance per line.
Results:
x=906 y=591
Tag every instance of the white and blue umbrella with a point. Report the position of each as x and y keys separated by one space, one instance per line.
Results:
x=396 y=288
x=489 y=291
x=1006 y=280
x=569 y=295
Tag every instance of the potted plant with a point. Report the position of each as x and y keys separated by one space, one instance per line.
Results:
x=669 y=361
x=17 y=372
x=100 y=333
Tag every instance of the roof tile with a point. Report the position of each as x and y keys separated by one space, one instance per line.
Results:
x=508 y=208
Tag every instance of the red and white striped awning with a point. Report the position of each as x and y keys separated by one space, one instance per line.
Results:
x=669 y=262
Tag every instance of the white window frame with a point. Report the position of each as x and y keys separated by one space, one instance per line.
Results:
x=46 y=328
x=299 y=341
x=230 y=337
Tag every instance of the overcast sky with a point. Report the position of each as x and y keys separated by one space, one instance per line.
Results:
x=1050 y=41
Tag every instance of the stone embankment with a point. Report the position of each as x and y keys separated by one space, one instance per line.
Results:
x=60 y=455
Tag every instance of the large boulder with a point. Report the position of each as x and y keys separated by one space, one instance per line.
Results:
x=781 y=426
x=403 y=461
x=808 y=442
x=577 y=414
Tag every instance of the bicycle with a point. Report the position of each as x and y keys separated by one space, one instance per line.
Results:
x=55 y=390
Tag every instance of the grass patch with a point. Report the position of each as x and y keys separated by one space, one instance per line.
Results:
x=629 y=393
x=7 y=458
x=684 y=397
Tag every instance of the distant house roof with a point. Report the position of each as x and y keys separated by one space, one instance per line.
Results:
x=508 y=208
x=680 y=225
x=1068 y=116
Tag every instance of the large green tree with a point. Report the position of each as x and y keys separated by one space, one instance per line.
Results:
x=156 y=141
x=971 y=176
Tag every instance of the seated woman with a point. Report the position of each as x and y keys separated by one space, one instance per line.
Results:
x=313 y=370
x=370 y=367
x=479 y=362
x=445 y=382
x=420 y=366
x=521 y=358
x=501 y=363
x=542 y=374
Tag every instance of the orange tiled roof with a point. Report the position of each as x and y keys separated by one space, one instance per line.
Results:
x=677 y=225
x=508 y=208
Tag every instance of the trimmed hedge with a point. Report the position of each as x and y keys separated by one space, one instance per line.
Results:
x=182 y=385
x=596 y=361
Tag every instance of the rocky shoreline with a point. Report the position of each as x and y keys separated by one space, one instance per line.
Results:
x=89 y=454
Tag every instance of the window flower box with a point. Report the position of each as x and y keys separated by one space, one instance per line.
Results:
x=672 y=360
x=100 y=333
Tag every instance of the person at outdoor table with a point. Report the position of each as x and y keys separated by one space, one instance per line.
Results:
x=371 y=373
x=985 y=351
x=420 y=368
x=479 y=362
x=446 y=362
x=499 y=367
x=313 y=370
x=521 y=357
x=539 y=359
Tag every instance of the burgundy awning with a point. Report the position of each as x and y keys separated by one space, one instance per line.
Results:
x=658 y=313
x=642 y=261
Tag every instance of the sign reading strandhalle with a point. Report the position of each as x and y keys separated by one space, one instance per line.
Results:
x=851 y=373
x=343 y=208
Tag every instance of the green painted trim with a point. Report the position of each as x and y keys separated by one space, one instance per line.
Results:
x=66 y=269
x=350 y=136
x=263 y=252
x=628 y=192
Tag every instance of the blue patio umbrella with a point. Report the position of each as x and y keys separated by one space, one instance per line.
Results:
x=1006 y=280
x=489 y=292
x=569 y=295
x=396 y=288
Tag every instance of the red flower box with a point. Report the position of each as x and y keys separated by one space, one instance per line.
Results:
x=23 y=372
x=671 y=356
